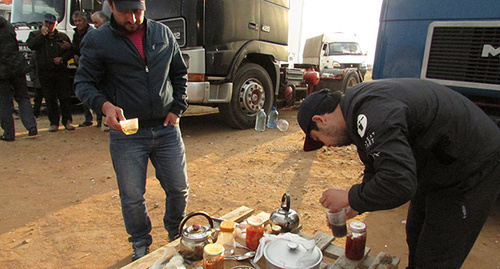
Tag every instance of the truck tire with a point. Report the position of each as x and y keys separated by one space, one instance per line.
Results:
x=252 y=90
x=350 y=79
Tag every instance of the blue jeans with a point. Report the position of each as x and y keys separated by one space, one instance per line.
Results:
x=130 y=154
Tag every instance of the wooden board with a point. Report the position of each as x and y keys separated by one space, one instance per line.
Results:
x=343 y=262
x=384 y=260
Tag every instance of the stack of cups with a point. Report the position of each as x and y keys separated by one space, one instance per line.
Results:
x=337 y=223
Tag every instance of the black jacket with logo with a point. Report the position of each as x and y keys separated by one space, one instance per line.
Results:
x=414 y=133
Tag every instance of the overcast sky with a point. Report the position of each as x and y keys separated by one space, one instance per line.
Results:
x=360 y=17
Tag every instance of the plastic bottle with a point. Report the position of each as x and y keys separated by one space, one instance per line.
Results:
x=226 y=237
x=260 y=121
x=272 y=119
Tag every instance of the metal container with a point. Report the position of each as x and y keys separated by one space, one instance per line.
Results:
x=285 y=217
x=285 y=254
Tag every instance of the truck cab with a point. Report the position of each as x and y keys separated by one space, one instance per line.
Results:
x=335 y=50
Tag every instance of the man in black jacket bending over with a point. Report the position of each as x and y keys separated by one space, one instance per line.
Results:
x=419 y=142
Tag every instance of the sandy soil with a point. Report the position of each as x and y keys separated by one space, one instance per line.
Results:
x=60 y=205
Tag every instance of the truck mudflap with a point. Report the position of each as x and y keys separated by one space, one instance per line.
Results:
x=206 y=93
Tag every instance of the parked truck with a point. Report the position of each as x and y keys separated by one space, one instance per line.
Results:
x=233 y=49
x=452 y=42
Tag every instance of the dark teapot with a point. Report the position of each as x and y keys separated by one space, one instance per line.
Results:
x=285 y=217
x=195 y=237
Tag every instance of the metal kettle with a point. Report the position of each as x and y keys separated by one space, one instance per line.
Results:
x=285 y=217
x=195 y=237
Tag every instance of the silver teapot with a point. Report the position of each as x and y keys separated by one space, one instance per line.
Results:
x=195 y=237
x=285 y=217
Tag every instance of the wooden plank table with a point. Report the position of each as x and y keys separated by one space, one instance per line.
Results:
x=323 y=241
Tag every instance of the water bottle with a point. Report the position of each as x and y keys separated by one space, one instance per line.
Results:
x=272 y=119
x=260 y=121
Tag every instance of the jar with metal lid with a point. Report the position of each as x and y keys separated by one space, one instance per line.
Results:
x=213 y=256
x=255 y=231
x=226 y=237
x=356 y=241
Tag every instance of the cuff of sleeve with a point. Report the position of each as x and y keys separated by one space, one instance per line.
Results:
x=177 y=110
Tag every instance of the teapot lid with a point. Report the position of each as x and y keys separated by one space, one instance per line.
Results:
x=195 y=232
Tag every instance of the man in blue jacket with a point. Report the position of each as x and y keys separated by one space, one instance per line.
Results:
x=419 y=142
x=139 y=67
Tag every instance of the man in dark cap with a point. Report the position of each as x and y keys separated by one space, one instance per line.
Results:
x=138 y=67
x=52 y=54
x=419 y=142
x=13 y=68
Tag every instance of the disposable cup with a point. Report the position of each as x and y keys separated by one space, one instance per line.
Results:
x=130 y=126
x=337 y=223
x=282 y=125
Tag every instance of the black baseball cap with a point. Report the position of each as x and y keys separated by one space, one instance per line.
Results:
x=308 y=109
x=50 y=18
x=125 y=5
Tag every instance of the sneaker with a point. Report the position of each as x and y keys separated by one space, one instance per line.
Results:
x=9 y=139
x=53 y=128
x=141 y=249
x=33 y=131
x=85 y=124
x=69 y=127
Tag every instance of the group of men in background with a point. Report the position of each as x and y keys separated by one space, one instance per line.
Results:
x=52 y=50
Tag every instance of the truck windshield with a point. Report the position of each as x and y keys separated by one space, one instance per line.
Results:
x=32 y=11
x=344 y=48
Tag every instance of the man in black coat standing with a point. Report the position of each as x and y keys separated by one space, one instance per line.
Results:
x=52 y=54
x=13 y=68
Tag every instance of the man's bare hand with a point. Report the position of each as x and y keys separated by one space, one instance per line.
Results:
x=113 y=114
x=64 y=45
x=45 y=30
x=335 y=199
x=171 y=119
x=57 y=60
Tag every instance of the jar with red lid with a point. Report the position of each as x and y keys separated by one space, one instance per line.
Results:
x=356 y=241
x=255 y=231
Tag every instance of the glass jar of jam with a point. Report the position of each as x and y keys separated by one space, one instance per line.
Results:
x=255 y=231
x=213 y=256
x=356 y=241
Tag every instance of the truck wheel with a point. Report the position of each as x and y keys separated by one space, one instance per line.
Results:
x=252 y=90
x=350 y=79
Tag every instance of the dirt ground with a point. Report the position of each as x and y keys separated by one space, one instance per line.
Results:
x=60 y=206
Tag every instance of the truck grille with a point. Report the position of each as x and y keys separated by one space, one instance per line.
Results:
x=178 y=27
x=464 y=52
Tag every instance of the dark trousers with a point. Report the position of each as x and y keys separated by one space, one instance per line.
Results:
x=88 y=114
x=37 y=106
x=442 y=226
x=15 y=88
x=55 y=87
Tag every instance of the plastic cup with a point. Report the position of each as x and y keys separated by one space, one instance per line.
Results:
x=130 y=126
x=282 y=125
x=337 y=223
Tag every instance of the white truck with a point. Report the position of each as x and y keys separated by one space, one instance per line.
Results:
x=335 y=50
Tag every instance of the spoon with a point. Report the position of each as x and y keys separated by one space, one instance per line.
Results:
x=241 y=257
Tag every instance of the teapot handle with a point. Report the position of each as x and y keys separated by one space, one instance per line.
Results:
x=192 y=214
x=285 y=202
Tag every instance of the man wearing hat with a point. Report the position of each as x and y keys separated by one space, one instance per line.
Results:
x=139 y=68
x=419 y=142
x=52 y=54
